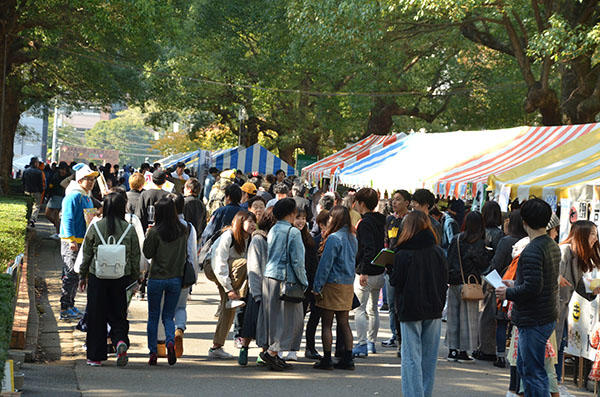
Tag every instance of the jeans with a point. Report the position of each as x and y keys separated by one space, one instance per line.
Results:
x=419 y=356
x=367 y=314
x=392 y=305
x=530 y=359
x=501 y=338
x=562 y=343
x=180 y=309
x=170 y=289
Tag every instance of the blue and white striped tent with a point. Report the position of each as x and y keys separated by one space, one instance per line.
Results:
x=251 y=159
x=176 y=158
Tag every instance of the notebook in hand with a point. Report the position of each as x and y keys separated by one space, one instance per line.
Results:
x=384 y=258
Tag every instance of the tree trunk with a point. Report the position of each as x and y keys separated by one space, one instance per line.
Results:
x=287 y=155
x=380 y=118
x=250 y=134
x=12 y=114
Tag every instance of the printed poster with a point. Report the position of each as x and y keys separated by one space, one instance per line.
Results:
x=582 y=320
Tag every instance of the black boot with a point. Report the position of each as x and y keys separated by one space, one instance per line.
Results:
x=325 y=362
x=346 y=362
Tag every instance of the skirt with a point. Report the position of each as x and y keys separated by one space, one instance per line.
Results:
x=284 y=321
x=336 y=297
x=250 y=317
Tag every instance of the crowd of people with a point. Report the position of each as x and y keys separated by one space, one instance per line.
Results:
x=279 y=251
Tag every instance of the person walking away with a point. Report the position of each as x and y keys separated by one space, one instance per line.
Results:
x=136 y=184
x=370 y=234
x=55 y=194
x=254 y=326
x=535 y=297
x=223 y=216
x=285 y=266
x=106 y=297
x=72 y=232
x=393 y=228
x=467 y=258
x=228 y=271
x=33 y=186
x=500 y=262
x=453 y=221
x=209 y=181
x=423 y=200
x=419 y=276
x=166 y=246
x=333 y=285
x=194 y=210
x=492 y=220
x=146 y=207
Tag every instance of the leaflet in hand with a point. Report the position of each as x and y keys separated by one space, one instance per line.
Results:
x=385 y=257
x=494 y=279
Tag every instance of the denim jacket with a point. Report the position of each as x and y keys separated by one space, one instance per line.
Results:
x=338 y=260
x=277 y=262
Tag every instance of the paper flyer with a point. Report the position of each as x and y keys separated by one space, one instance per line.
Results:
x=493 y=279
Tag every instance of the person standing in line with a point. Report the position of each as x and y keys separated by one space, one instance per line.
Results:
x=281 y=191
x=285 y=263
x=136 y=184
x=56 y=194
x=223 y=216
x=420 y=279
x=194 y=210
x=166 y=245
x=467 y=257
x=72 y=232
x=393 y=228
x=106 y=298
x=228 y=270
x=178 y=173
x=333 y=285
x=146 y=206
x=211 y=178
x=453 y=221
x=280 y=176
x=492 y=220
x=535 y=297
x=33 y=185
x=423 y=200
x=257 y=206
x=370 y=234
x=248 y=192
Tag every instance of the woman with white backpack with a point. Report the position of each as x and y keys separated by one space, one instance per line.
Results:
x=111 y=259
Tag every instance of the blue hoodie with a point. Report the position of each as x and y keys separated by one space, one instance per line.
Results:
x=72 y=222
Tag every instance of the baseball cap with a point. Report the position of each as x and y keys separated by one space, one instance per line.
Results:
x=82 y=170
x=159 y=177
x=249 y=188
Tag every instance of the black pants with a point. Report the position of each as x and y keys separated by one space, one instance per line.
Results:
x=313 y=321
x=107 y=303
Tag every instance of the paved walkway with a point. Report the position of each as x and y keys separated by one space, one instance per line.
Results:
x=194 y=375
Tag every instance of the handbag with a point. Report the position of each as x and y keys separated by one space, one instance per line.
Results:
x=470 y=291
x=189 y=274
x=288 y=291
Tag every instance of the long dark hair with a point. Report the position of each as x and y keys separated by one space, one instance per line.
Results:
x=492 y=216
x=588 y=257
x=474 y=229
x=515 y=225
x=267 y=220
x=113 y=208
x=413 y=223
x=307 y=239
x=339 y=216
x=168 y=226
x=237 y=229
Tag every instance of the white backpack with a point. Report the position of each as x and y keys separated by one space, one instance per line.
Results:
x=111 y=257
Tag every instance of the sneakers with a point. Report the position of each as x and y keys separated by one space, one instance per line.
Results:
x=92 y=363
x=76 y=312
x=283 y=363
x=389 y=343
x=453 y=355
x=243 y=357
x=463 y=357
x=122 y=354
x=218 y=354
x=54 y=236
x=153 y=359
x=179 y=342
x=360 y=351
x=479 y=355
x=312 y=354
x=70 y=314
x=260 y=362
x=171 y=355
x=273 y=362
x=500 y=362
x=291 y=356
x=234 y=303
x=384 y=308
x=371 y=348
x=324 y=363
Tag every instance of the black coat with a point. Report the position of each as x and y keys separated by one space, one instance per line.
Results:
x=474 y=260
x=420 y=278
x=371 y=235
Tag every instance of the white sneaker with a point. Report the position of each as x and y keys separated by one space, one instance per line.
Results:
x=232 y=304
x=291 y=356
x=54 y=236
x=219 y=354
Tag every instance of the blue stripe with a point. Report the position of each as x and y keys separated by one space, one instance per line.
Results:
x=374 y=159
x=249 y=156
x=262 y=164
x=234 y=160
x=219 y=163
x=276 y=164
x=291 y=170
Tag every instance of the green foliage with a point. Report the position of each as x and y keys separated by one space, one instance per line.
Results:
x=7 y=294
x=13 y=212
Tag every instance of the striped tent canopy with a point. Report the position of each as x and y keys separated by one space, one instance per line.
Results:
x=552 y=175
x=406 y=163
x=173 y=159
x=251 y=159
x=527 y=145
x=325 y=168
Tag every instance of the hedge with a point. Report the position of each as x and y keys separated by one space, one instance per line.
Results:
x=14 y=214
x=7 y=293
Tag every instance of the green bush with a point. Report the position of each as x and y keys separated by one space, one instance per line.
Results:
x=7 y=293
x=13 y=226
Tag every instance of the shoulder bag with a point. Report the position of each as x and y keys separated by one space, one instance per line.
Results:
x=290 y=292
x=471 y=291
x=189 y=274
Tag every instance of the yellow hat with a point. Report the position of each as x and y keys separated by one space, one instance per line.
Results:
x=249 y=188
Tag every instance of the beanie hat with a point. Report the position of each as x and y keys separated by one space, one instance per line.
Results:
x=159 y=177
x=554 y=222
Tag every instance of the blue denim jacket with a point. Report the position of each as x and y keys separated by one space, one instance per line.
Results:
x=337 y=264
x=277 y=262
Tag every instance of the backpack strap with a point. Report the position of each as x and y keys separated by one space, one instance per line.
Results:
x=99 y=234
x=124 y=234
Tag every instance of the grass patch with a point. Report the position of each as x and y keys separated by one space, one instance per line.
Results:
x=13 y=225
x=7 y=294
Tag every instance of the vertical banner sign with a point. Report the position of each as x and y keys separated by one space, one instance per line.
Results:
x=582 y=319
